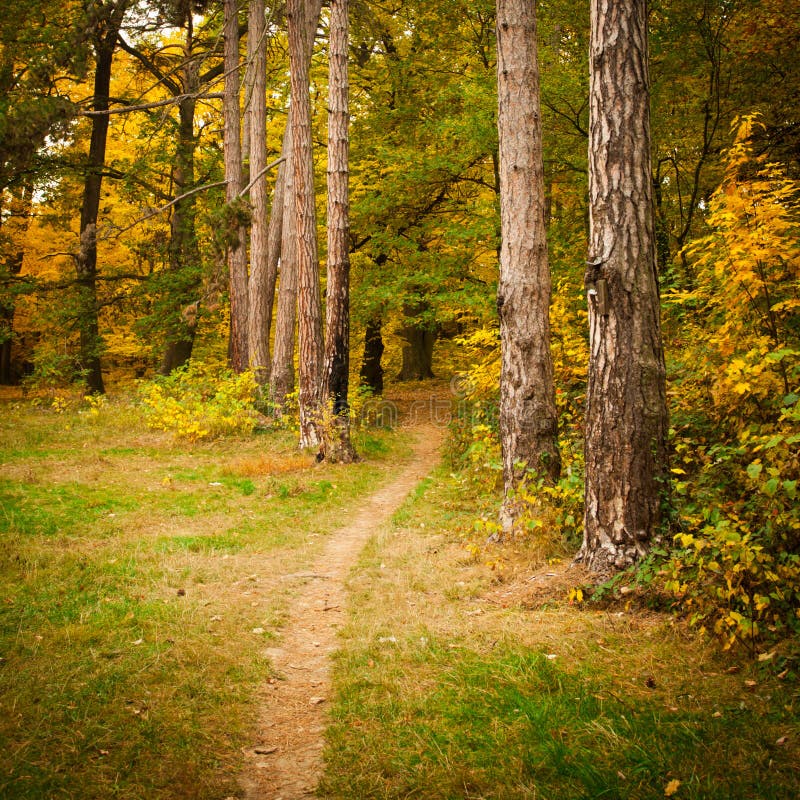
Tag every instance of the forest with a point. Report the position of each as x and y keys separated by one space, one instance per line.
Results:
x=399 y=398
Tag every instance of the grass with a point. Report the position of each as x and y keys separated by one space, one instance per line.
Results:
x=139 y=585
x=451 y=683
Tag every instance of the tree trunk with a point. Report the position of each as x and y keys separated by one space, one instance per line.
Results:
x=309 y=307
x=106 y=32
x=337 y=328
x=371 y=369
x=528 y=417
x=15 y=226
x=236 y=232
x=259 y=299
x=418 y=352
x=282 y=374
x=626 y=413
x=184 y=254
x=280 y=247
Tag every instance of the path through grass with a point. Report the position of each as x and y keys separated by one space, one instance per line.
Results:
x=140 y=580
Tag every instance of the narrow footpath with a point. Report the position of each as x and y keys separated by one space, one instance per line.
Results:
x=286 y=762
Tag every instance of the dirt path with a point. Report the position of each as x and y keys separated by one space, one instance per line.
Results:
x=286 y=762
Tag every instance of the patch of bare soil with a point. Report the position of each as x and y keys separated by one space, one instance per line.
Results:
x=285 y=762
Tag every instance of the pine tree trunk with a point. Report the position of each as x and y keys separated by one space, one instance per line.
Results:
x=282 y=374
x=309 y=307
x=259 y=297
x=528 y=417
x=337 y=328
x=626 y=414
x=236 y=233
x=280 y=247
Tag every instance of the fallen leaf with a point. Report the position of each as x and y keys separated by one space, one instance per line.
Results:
x=315 y=701
x=766 y=656
x=138 y=641
x=782 y=741
x=216 y=618
x=672 y=787
x=265 y=751
x=257 y=630
x=181 y=592
x=717 y=714
x=750 y=684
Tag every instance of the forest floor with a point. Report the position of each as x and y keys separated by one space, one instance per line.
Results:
x=230 y=619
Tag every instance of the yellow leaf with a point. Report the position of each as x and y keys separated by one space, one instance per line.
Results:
x=672 y=787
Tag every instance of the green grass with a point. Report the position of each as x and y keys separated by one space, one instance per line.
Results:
x=139 y=582
x=444 y=689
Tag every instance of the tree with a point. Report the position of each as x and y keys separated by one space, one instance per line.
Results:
x=259 y=294
x=281 y=246
x=178 y=68
x=337 y=341
x=104 y=21
x=626 y=412
x=235 y=229
x=309 y=307
x=528 y=417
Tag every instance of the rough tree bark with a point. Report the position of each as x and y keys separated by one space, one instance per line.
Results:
x=106 y=23
x=280 y=246
x=336 y=370
x=236 y=233
x=528 y=417
x=626 y=412
x=258 y=297
x=309 y=306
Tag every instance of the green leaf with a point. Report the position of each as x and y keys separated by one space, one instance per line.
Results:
x=770 y=487
x=754 y=470
x=790 y=487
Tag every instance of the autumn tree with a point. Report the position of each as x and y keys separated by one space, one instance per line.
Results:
x=337 y=330
x=309 y=307
x=104 y=20
x=626 y=413
x=528 y=417
x=182 y=70
x=281 y=244
x=235 y=228
x=260 y=293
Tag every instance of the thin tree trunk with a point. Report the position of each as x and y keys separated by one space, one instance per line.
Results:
x=309 y=307
x=106 y=31
x=282 y=375
x=258 y=323
x=337 y=328
x=15 y=227
x=280 y=247
x=184 y=254
x=236 y=232
x=528 y=417
x=626 y=413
